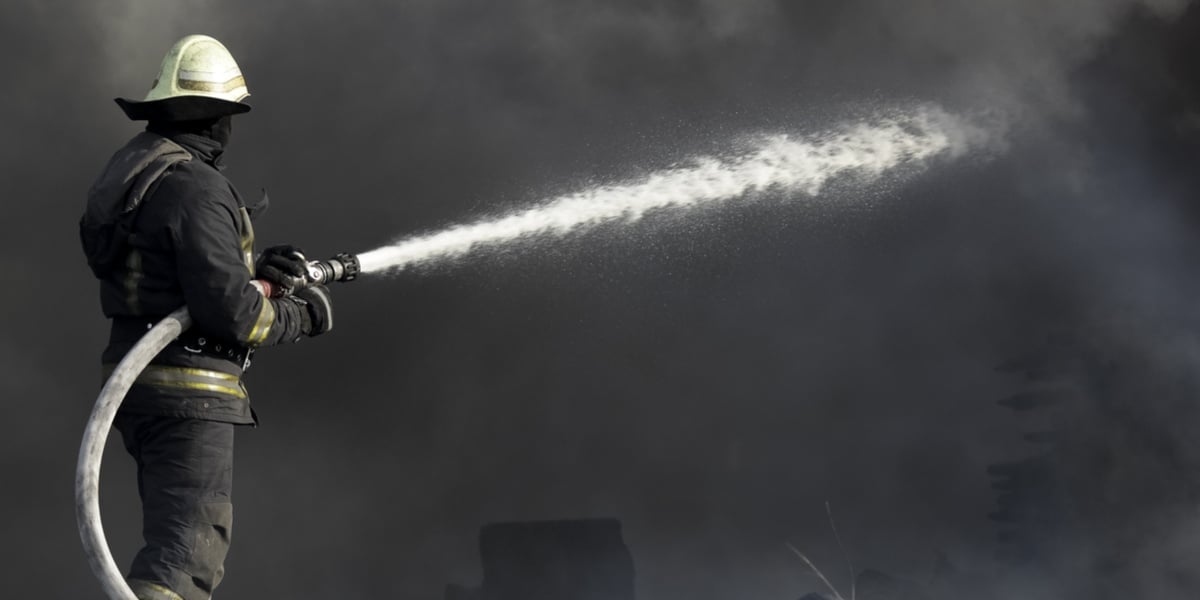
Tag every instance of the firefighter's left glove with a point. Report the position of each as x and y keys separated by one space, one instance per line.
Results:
x=284 y=266
x=318 y=303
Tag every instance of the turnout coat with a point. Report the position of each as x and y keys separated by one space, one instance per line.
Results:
x=165 y=228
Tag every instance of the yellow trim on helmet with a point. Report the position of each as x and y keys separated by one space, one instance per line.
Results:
x=208 y=86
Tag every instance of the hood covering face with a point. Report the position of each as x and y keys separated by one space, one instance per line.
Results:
x=206 y=139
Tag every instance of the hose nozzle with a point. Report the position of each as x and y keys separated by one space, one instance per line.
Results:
x=342 y=267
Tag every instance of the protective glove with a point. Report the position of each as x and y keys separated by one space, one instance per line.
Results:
x=283 y=266
x=318 y=303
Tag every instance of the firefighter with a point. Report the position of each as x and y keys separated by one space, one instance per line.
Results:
x=164 y=228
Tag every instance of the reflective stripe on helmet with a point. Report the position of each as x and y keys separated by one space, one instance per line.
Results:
x=225 y=76
x=208 y=86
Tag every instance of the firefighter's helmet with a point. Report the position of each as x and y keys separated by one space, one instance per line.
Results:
x=198 y=79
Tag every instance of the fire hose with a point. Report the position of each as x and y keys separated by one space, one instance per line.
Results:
x=343 y=267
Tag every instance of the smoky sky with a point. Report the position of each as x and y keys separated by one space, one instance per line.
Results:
x=711 y=379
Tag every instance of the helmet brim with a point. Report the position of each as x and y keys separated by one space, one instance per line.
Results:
x=180 y=108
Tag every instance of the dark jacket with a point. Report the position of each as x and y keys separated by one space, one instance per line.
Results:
x=192 y=244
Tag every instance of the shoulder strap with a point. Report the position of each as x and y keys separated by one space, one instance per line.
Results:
x=114 y=199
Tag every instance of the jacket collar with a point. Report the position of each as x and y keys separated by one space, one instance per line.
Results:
x=200 y=146
x=203 y=148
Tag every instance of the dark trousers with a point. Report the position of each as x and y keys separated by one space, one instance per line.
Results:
x=185 y=480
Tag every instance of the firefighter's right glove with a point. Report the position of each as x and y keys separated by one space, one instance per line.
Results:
x=283 y=266
x=318 y=303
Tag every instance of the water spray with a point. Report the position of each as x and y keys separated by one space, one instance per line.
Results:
x=800 y=167
x=795 y=167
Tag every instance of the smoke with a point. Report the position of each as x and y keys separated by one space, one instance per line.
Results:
x=713 y=380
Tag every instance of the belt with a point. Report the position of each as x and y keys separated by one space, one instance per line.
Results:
x=198 y=344
x=131 y=329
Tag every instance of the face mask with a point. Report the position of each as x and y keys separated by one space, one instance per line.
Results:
x=218 y=130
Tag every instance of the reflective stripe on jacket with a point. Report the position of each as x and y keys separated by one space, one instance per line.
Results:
x=185 y=378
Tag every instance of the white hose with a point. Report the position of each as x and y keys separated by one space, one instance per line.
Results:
x=91 y=450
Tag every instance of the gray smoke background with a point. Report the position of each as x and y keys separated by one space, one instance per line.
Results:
x=711 y=379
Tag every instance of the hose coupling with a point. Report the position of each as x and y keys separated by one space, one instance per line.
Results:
x=342 y=267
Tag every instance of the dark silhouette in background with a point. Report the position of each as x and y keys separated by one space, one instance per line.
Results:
x=552 y=560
